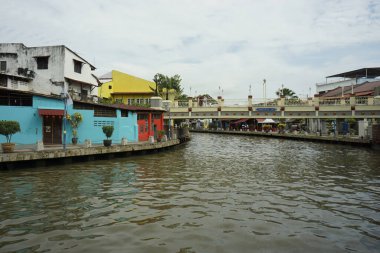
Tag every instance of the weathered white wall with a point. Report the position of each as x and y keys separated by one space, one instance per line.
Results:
x=85 y=78
x=46 y=81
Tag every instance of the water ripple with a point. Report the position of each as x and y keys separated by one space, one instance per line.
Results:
x=216 y=194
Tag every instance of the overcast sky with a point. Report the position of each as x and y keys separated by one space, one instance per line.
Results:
x=210 y=43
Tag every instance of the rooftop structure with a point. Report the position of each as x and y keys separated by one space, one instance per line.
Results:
x=349 y=78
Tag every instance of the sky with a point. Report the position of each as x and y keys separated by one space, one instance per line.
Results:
x=218 y=47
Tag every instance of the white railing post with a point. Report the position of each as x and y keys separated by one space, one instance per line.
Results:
x=190 y=102
x=352 y=100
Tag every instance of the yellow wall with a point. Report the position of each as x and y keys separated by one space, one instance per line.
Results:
x=104 y=91
x=128 y=85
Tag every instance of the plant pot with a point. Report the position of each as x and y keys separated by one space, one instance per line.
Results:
x=107 y=143
x=8 y=147
x=74 y=140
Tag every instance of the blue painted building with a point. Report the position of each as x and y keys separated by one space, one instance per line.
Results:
x=41 y=118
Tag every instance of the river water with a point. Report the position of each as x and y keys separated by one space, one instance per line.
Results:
x=213 y=194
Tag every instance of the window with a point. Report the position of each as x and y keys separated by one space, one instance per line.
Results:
x=124 y=113
x=84 y=94
x=78 y=66
x=3 y=65
x=118 y=100
x=131 y=101
x=3 y=81
x=42 y=62
x=156 y=116
x=142 y=116
x=104 y=112
x=15 y=99
x=110 y=87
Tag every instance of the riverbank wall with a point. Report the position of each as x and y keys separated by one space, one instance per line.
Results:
x=55 y=155
x=296 y=137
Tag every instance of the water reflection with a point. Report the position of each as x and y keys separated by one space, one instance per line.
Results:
x=216 y=194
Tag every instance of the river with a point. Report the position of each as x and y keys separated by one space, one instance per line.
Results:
x=213 y=194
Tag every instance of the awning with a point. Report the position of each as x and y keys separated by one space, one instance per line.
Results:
x=50 y=112
x=239 y=121
x=265 y=121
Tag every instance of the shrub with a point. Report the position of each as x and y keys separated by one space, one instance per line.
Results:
x=75 y=121
x=8 y=128
x=108 y=131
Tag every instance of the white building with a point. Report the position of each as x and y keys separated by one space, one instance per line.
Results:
x=350 y=78
x=46 y=70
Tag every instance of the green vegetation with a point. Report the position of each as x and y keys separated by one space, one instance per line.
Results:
x=8 y=128
x=75 y=121
x=165 y=84
x=108 y=131
x=287 y=93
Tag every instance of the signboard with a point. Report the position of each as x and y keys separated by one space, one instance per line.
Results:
x=266 y=109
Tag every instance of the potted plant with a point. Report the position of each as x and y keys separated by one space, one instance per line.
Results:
x=8 y=128
x=266 y=128
x=160 y=134
x=75 y=121
x=107 y=130
x=281 y=128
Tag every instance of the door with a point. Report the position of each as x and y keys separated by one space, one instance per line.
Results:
x=52 y=127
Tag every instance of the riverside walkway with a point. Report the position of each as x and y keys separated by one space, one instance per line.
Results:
x=26 y=156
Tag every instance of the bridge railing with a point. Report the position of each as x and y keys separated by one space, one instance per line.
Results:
x=272 y=102
x=332 y=101
x=296 y=102
x=361 y=100
x=235 y=102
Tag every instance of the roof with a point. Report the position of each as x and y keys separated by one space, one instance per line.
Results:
x=22 y=45
x=364 y=72
x=116 y=106
x=122 y=106
x=133 y=93
x=239 y=121
x=106 y=76
x=364 y=89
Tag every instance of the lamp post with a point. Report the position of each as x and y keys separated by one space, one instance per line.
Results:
x=265 y=91
x=64 y=97
x=166 y=104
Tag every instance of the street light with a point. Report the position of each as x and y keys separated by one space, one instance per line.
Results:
x=166 y=104
x=64 y=98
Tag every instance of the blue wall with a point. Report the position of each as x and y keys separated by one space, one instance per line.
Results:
x=31 y=123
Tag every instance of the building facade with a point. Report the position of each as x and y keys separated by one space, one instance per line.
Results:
x=123 y=88
x=48 y=70
x=41 y=119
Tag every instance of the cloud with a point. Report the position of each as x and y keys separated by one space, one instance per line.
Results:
x=210 y=43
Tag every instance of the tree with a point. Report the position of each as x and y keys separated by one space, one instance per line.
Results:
x=287 y=93
x=9 y=128
x=165 y=84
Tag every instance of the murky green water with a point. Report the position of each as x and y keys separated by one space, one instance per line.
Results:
x=215 y=194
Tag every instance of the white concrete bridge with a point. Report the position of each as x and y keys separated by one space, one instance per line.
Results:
x=279 y=108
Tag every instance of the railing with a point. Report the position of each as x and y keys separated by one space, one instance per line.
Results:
x=183 y=103
x=269 y=102
x=330 y=101
x=235 y=102
x=295 y=102
x=273 y=102
x=361 y=100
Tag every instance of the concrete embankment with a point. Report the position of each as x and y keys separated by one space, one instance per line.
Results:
x=26 y=157
x=297 y=137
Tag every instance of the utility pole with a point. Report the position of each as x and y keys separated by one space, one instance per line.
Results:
x=265 y=92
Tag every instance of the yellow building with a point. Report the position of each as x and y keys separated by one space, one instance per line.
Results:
x=126 y=89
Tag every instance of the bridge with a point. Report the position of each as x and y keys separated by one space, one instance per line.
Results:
x=278 y=108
